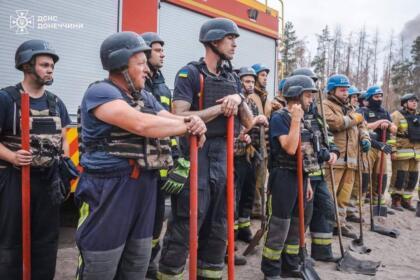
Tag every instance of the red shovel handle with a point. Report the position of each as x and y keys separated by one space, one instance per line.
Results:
x=300 y=194
x=193 y=206
x=26 y=190
x=381 y=167
x=230 y=198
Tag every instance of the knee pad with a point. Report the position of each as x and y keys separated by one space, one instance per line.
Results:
x=412 y=180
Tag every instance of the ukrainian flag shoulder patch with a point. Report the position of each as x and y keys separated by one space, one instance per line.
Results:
x=183 y=73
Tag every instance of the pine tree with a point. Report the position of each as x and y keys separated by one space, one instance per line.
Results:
x=288 y=48
x=415 y=54
x=320 y=61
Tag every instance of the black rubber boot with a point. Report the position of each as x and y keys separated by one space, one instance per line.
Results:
x=245 y=234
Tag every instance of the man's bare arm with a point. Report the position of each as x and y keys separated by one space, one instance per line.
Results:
x=182 y=108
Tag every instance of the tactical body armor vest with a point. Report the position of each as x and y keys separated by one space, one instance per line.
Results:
x=413 y=122
x=308 y=149
x=373 y=116
x=240 y=146
x=160 y=90
x=215 y=88
x=150 y=153
x=45 y=130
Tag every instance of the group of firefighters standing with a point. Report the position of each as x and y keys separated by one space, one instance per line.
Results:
x=134 y=141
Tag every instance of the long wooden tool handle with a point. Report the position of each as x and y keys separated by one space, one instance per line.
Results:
x=193 y=207
x=26 y=190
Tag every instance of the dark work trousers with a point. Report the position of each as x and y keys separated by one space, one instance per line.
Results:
x=283 y=204
x=159 y=219
x=290 y=256
x=245 y=190
x=323 y=219
x=114 y=235
x=212 y=225
x=44 y=226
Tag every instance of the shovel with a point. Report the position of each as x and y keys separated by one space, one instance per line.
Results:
x=347 y=263
x=357 y=245
x=306 y=269
x=260 y=232
x=394 y=233
x=26 y=190
x=230 y=198
x=380 y=210
x=193 y=207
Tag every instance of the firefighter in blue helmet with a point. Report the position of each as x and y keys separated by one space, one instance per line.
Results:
x=248 y=152
x=220 y=98
x=349 y=131
x=378 y=120
x=123 y=127
x=49 y=118
x=265 y=106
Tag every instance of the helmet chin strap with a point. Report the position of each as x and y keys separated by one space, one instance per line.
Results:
x=130 y=83
x=222 y=58
x=38 y=78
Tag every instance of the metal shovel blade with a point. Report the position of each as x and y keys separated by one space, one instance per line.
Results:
x=357 y=246
x=418 y=209
x=350 y=264
x=380 y=210
x=307 y=271
x=394 y=233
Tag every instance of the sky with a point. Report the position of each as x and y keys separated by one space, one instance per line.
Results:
x=310 y=17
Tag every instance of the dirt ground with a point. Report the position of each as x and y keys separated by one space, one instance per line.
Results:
x=400 y=257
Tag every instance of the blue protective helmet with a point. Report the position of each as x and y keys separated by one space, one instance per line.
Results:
x=373 y=90
x=281 y=84
x=337 y=81
x=258 y=67
x=354 y=91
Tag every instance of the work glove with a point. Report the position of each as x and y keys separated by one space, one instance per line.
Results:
x=387 y=149
x=365 y=145
x=323 y=155
x=357 y=117
x=177 y=176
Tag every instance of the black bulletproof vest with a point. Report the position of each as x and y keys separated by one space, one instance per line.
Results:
x=215 y=88
x=373 y=116
x=413 y=123
x=160 y=90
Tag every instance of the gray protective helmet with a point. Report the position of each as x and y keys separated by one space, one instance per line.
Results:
x=151 y=37
x=408 y=96
x=28 y=49
x=117 y=49
x=216 y=29
x=306 y=72
x=296 y=85
x=246 y=71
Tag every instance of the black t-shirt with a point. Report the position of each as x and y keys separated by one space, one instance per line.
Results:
x=7 y=111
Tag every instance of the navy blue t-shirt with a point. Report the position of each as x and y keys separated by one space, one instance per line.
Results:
x=279 y=126
x=94 y=130
x=40 y=104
